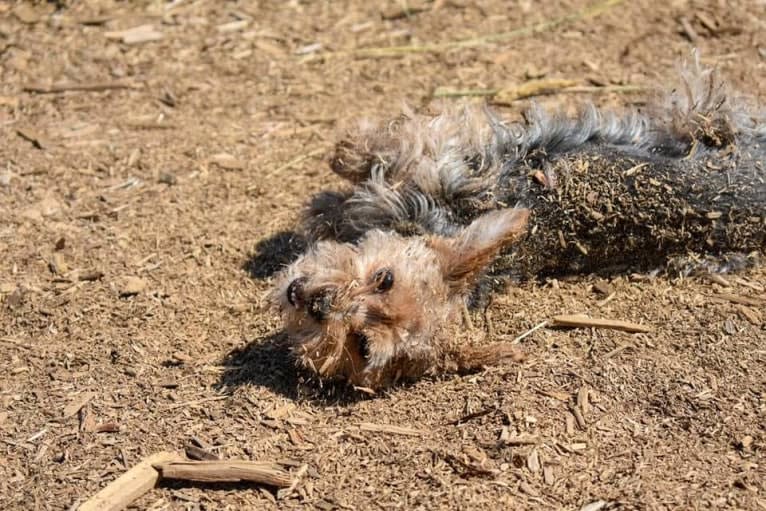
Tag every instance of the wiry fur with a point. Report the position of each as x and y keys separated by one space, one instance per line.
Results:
x=421 y=174
x=432 y=203
x=372 y=335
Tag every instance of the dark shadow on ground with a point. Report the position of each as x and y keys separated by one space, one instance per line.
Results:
x=274 y=253
x=267 y=362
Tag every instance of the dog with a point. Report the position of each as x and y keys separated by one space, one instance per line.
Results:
x=436 y=204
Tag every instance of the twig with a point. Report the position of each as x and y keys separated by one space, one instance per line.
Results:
x=197 y=402
x=470 y=416
x=398 y=51
x=296 y=479
x=293 y=162
x=741 y=300
x=223 y=471
x=131 y=485
x=80 y=87
x=530 y=332
x=578 y=321
x=15 y=342
x=386 y=428
x=522 y=440
x=443 y=92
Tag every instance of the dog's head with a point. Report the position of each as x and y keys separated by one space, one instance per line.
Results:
x=377 y=310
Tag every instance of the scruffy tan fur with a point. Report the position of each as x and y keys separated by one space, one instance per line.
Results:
x=346 y=322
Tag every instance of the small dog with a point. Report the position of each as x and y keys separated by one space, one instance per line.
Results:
x=437 y=203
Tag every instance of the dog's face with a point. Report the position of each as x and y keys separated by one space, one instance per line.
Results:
x=376 y=311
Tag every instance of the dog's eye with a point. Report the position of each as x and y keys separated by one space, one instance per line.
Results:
x=384 y=278
x=295 y=291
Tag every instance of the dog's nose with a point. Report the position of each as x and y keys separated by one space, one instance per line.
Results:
x=319 y=305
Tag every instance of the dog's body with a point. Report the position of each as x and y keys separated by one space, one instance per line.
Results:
x=436 y=202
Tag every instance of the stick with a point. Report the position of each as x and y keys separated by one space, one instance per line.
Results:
x=398 y=51
x=577 y=321
x=530 y=331
x=444 y=92
x=225 y=471
x=81 y=87
x=386 y=428
x=131 y=485
x=742 y=300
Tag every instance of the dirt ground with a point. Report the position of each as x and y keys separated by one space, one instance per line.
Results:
x=143 y=215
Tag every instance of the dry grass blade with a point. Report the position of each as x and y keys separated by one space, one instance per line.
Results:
x=221 y=471
x=295 y=161
x=532 y=88
x=577 y=321
x=446 y=92
x=530 y=331
x=398 y=51
x=78 y=87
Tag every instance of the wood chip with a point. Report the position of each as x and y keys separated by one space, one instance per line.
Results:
x=579 y=418
x=533 y=461
x=556 y=394
x=90 y=276
x=742 y=300
x=198 y=453
x=718 y=279
x=570 y=424
x=619 y=349
x=386 y=428
x=233 y=26
x=107 y=427
x=132 y=286
x=57 y=264
x=280 y=412
x=548 y=475
x=593 y=506
x=582 y=400
x=87 y=421
x=227 y=161
x=225 y=471
x=131 y=485
x=136 y=35
x=72 y=408
x=579 y=321
x=603 y=287
x=749 y=314
x=523 y=440
x=687 y=29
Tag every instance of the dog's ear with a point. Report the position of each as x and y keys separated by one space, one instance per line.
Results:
x=466 y=256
